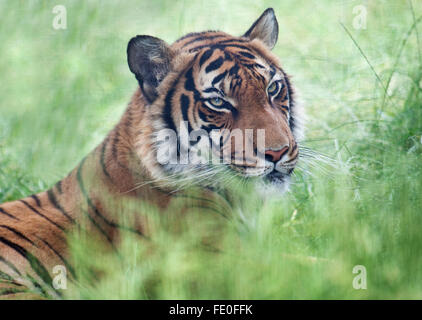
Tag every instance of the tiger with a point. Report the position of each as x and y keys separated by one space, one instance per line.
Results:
x=203 y=81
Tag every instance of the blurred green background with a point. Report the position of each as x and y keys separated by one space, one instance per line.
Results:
x=62 y=90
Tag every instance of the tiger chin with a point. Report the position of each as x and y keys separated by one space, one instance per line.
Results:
x=202 y=83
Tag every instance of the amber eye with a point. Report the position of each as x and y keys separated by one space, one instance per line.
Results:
x=273 y=89
x=216 y=102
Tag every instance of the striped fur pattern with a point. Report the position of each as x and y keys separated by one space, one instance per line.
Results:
x=210 y=80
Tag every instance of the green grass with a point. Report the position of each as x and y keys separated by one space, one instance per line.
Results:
x=62 y=90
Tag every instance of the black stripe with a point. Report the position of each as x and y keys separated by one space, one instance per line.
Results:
x=94 y=208
x=211 y=209
x=5 y=277
x=292 y=123
x=208 y=90
x=102 y=231
x=214 y=65
x=36 y=265
x=250 y=66
x=260 y=77
x=232 y=41
x=202 y=115
x=228 y=56
x=10 y=265
x=88 y=199
x=246 y=54
x=68 y=266
x=102 y=159
x=19 y=234
x=36 y=199
x=221 y=47
x=167 y=114
x=57 y=205
x=184 y=105
x=8 y=280
x=8 y=214
x=188 y=196
x=211 y=126
x=190 y=82
x=41 y=215
x=219 y=78
x=59 y=187
x=205 y=56
x=272 y=71
x=234 y=70
x=285 y=108
x=14 y=246
x=38 y=286
x=114 y=144
x=5 y=292
x=114 y=152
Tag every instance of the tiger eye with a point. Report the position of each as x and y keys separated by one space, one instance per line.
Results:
x=217 y=102
x=272 y=89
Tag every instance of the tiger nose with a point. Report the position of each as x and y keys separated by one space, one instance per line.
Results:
x=275 y=155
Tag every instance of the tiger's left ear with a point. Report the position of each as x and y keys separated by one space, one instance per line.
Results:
x=264 y=29
x=149 y=58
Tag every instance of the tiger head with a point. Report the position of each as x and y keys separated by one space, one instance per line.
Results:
x=211 y=84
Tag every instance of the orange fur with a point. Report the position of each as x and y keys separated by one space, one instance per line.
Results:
x=120 y=168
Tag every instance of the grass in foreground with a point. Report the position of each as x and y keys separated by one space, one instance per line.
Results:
x=304 y=245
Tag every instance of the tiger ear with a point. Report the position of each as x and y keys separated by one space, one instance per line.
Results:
x=149 y=58
x=264 y=29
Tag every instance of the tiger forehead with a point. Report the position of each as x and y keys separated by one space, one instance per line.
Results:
x=196 y=40
x=231 y=64
x=232 y=69
x=209 y=41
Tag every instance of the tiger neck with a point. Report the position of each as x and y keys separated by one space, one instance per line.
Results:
x=116 y=164
x=117 y=175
